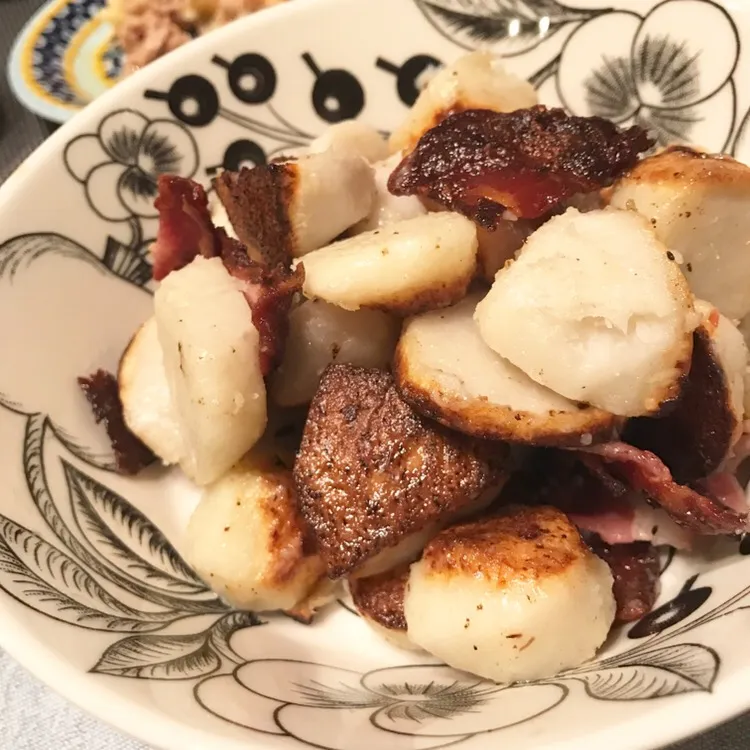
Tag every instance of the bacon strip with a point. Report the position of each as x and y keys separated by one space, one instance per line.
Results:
x=103 y=395
x=644 y=471
x=635 y=569
x=480 y=162
x=615 y=513
x=270 y=293
x=186 y=230
x=185 y=226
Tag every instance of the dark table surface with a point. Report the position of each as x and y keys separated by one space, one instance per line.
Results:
x=20 y=133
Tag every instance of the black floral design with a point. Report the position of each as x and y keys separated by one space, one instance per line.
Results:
x=397 y=704
x=655 y=72
x=113 y=541
x=120 y=164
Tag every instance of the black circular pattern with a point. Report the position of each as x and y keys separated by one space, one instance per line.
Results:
x=243 y=153
x=252 y=78
x=337 y=94
x=408 y=75
x=191 y=99
x=678 y=609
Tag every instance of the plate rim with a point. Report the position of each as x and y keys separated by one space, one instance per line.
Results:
x=106 y=704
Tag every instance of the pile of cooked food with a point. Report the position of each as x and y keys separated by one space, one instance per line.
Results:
x=147 y=29
x=477 y=373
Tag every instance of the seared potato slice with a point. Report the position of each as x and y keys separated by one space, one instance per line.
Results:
x=516 y=597
x=697 y=204
x=380 y=602
x=444 y=369
x=596 y=309
x=407 y=267
x=146 y=399
x=386 y=207
x=247 y=541
x=211 y=359
x=477 y=80
x=320 y=334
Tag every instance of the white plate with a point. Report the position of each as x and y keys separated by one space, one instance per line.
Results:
x=94 y=597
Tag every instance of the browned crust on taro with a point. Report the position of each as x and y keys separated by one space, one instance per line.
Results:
x=433 y=298
x=258 y=202
x=287 y=542
x=380 y=598
x=696 y=434
x=371 y=471
x=681 y=164
x=483 y=419
x=530 y=543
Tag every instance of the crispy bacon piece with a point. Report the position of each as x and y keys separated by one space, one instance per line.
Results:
x=480 y=162
x=270 y=293
x=645 y=472
x=595 y=502
x=103 y=395
x=187 y=230
x=635 y=569
x=185 y=226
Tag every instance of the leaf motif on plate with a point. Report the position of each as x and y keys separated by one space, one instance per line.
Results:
x=515 y=26
x=175 y=657
x=159 y=657
x=123 y=260
x=672 y=670
x=99 y=511
x=47 y=580
x=226 y=627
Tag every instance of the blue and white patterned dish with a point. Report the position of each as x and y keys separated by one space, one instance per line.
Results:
x=94 y=596
x=63 y=58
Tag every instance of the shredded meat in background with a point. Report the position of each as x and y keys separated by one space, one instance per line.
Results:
x=482 y=163
x=148 y=29
x=103 y=395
